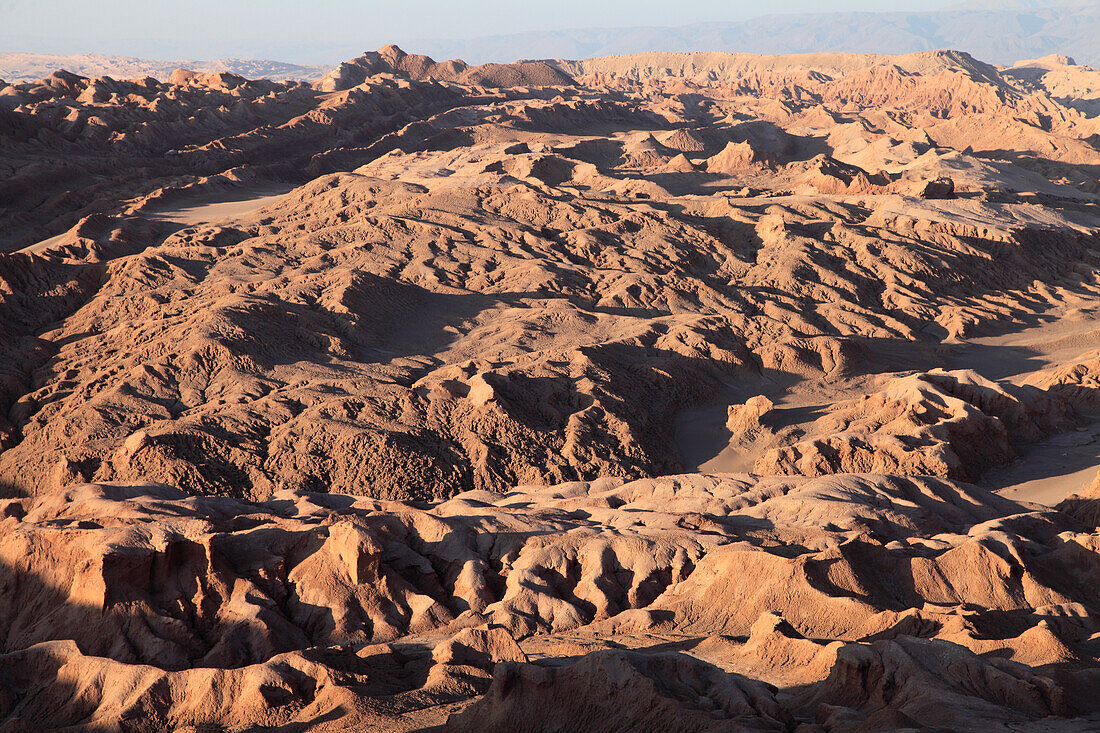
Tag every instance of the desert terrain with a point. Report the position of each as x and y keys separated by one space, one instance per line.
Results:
x=28 y=67
x=664 y=392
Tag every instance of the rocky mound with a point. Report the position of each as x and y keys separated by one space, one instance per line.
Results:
x=1085 y=506
x=392 y=60
x=1078 y=381
x=953 y=424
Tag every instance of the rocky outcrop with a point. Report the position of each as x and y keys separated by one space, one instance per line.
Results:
x=952 y=424
x=392 y=60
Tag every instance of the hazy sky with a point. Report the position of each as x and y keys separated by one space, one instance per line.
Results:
x=323 y=31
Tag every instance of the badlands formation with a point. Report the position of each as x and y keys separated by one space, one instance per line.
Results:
x=668 y=392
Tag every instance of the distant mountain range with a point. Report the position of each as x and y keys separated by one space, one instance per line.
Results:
x=997 y=32
x=16 y=67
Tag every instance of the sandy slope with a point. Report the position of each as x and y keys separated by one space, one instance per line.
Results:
x=225 y=208
x=198 y=208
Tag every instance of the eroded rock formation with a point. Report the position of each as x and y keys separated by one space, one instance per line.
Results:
x=403 y=444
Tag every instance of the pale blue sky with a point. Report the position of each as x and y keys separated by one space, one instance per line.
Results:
x=326 y=32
